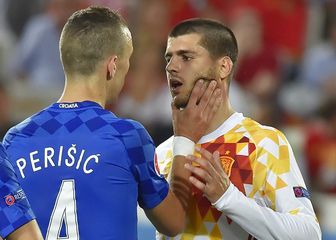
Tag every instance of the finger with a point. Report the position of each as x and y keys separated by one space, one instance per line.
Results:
x=173 y=106
x=198 y=171
x=196 y=93
x=220 y=169
x=207 y=95
x=197 y=183
x=207 y=166
x=204 y=153
x=217 y=161
x=213 y=105
x=213 y=159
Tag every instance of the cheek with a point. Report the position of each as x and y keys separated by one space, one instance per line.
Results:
x=189 y=73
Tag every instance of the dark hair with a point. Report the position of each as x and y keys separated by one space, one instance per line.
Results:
x=218 y=39
x=89 y=36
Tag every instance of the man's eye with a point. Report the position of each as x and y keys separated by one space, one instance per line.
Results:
x=186 y=58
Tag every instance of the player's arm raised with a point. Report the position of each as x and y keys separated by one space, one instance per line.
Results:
x=190 y=124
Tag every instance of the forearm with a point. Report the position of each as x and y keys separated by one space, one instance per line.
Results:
x=179 y=181
x=169 y=218
x=179 y=175
x=264 y=223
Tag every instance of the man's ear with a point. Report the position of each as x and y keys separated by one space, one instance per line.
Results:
x=111 y=67
x=225 y=67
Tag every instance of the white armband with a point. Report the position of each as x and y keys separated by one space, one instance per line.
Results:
x=183 y=146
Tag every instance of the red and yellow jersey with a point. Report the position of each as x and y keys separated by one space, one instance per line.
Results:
x=261 y=165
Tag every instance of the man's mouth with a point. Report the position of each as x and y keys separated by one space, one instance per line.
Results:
x=175 y=85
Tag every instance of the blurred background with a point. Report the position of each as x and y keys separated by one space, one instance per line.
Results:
x=286 y=72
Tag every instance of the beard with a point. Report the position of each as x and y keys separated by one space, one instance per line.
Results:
x=181 y=102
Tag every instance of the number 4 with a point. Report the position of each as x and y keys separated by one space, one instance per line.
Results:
x=64 y=211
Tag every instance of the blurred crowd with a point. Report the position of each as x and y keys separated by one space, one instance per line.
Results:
x=286 y=71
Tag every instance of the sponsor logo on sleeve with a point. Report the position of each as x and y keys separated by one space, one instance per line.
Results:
x=12 y=198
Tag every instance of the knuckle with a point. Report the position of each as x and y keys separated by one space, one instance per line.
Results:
x=207 y=164
x=202 y=175
x=206 y=97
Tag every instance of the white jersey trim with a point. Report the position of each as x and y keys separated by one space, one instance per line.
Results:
x=226 y=126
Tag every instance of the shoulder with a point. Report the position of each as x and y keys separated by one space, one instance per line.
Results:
x=273 y=150
x=260 y=134
x=3 y=154
x=132 y=133
x=125 y=125
x=25 y=128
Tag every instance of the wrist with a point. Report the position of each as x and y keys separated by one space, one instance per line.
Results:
x=183 y=146
x=220 y=203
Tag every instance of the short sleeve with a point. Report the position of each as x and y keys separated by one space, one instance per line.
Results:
x=15 y=210
x=152 y=187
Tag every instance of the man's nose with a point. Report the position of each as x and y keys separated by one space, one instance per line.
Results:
x=172 y=65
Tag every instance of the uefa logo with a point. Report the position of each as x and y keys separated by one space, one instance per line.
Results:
x=10 y=200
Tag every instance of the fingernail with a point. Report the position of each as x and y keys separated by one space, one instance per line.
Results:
x=213 y=83
x=200 y=81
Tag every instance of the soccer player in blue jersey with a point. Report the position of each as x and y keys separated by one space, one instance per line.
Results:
x=83 y=168
x=17 y=220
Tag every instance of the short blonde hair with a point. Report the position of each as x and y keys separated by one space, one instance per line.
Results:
x=89 y=36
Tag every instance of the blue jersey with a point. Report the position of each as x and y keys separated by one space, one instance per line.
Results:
x=14 y=207
x=84 y=170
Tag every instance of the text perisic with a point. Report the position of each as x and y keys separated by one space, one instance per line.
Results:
x=70 y=157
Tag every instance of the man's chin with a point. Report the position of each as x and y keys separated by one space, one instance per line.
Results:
x=180 y=103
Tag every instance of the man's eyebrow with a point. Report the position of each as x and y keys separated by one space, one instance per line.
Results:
x=180 y=52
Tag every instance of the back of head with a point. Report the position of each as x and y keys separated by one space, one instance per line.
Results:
x=218 y=39
x=90 y=36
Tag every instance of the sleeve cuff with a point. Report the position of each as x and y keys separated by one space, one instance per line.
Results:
x=223 y=201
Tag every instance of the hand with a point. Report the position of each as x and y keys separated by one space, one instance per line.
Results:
x=194 y=120
x=213 y=180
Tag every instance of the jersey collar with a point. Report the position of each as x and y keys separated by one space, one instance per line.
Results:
x=226 y=126
x=76 y=105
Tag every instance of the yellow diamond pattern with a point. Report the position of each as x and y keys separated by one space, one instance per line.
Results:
x=278 y=165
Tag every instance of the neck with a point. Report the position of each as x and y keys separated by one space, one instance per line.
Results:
x=84 y=89
x=223 y=113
